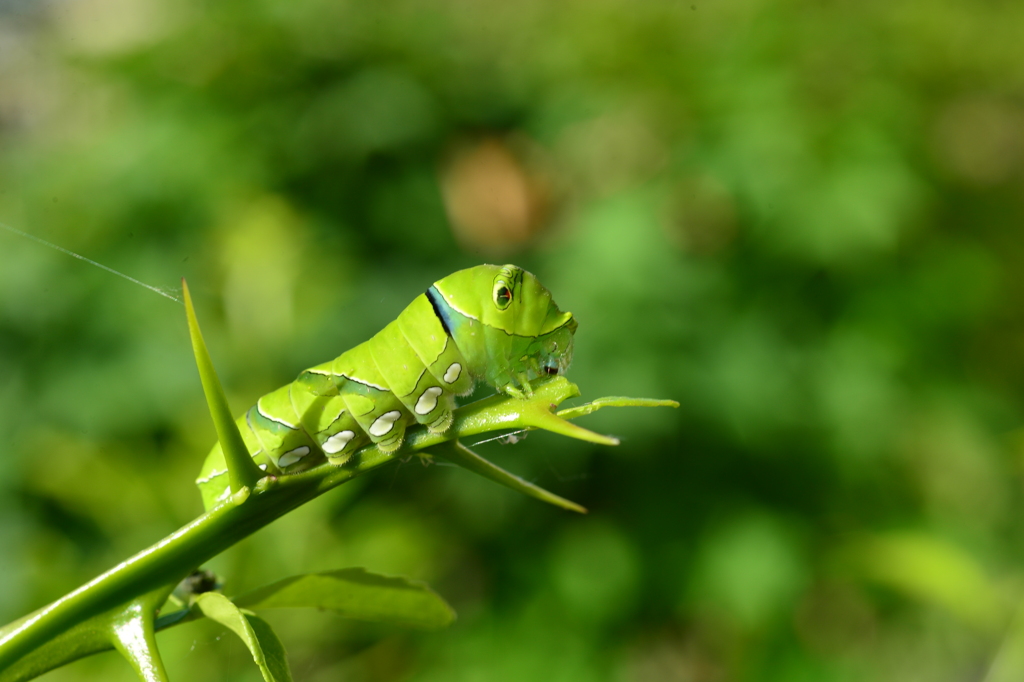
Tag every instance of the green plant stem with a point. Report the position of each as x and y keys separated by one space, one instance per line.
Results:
x=248 y=510
x=171 y=559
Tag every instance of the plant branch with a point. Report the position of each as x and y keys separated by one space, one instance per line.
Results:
x=249 y=509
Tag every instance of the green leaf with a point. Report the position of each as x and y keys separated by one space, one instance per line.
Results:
x=256 y=633
x=356 y=594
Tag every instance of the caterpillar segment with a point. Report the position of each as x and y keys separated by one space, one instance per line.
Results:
x=490 y=323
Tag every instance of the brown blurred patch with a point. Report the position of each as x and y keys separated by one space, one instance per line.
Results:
x=955 y=466
x=497 y=197
x=980 y=140
x=670 y=656
x=835 y=620
x=107 y=27
x=615 y=150
x=702 y=216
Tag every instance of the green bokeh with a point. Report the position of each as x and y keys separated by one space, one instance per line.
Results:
x=801 y=220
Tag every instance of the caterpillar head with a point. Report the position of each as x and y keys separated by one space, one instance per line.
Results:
x=508 y=323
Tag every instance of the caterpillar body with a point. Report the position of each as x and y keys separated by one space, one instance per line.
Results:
x=488 y=323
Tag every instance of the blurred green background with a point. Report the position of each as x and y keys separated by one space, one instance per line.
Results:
x=800 y=219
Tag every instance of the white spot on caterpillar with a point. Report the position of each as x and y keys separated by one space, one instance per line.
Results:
x=428 y=400
x=453 y=372
x=384 y=423
x=263 y=467
x=338 y=441
x=293 y=456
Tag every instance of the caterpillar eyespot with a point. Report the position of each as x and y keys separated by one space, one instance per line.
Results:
x=460 y=331
x=502 y=297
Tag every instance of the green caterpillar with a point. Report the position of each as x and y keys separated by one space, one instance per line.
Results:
x=488 y=323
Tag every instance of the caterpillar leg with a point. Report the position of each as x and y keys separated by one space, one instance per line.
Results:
x=442 y=423
x=523 y=391
x=514 y=392
x=389 y=445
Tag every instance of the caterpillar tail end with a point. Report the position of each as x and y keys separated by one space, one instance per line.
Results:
x=340 y=459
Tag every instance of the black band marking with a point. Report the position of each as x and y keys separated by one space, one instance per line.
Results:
x=441 y=310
